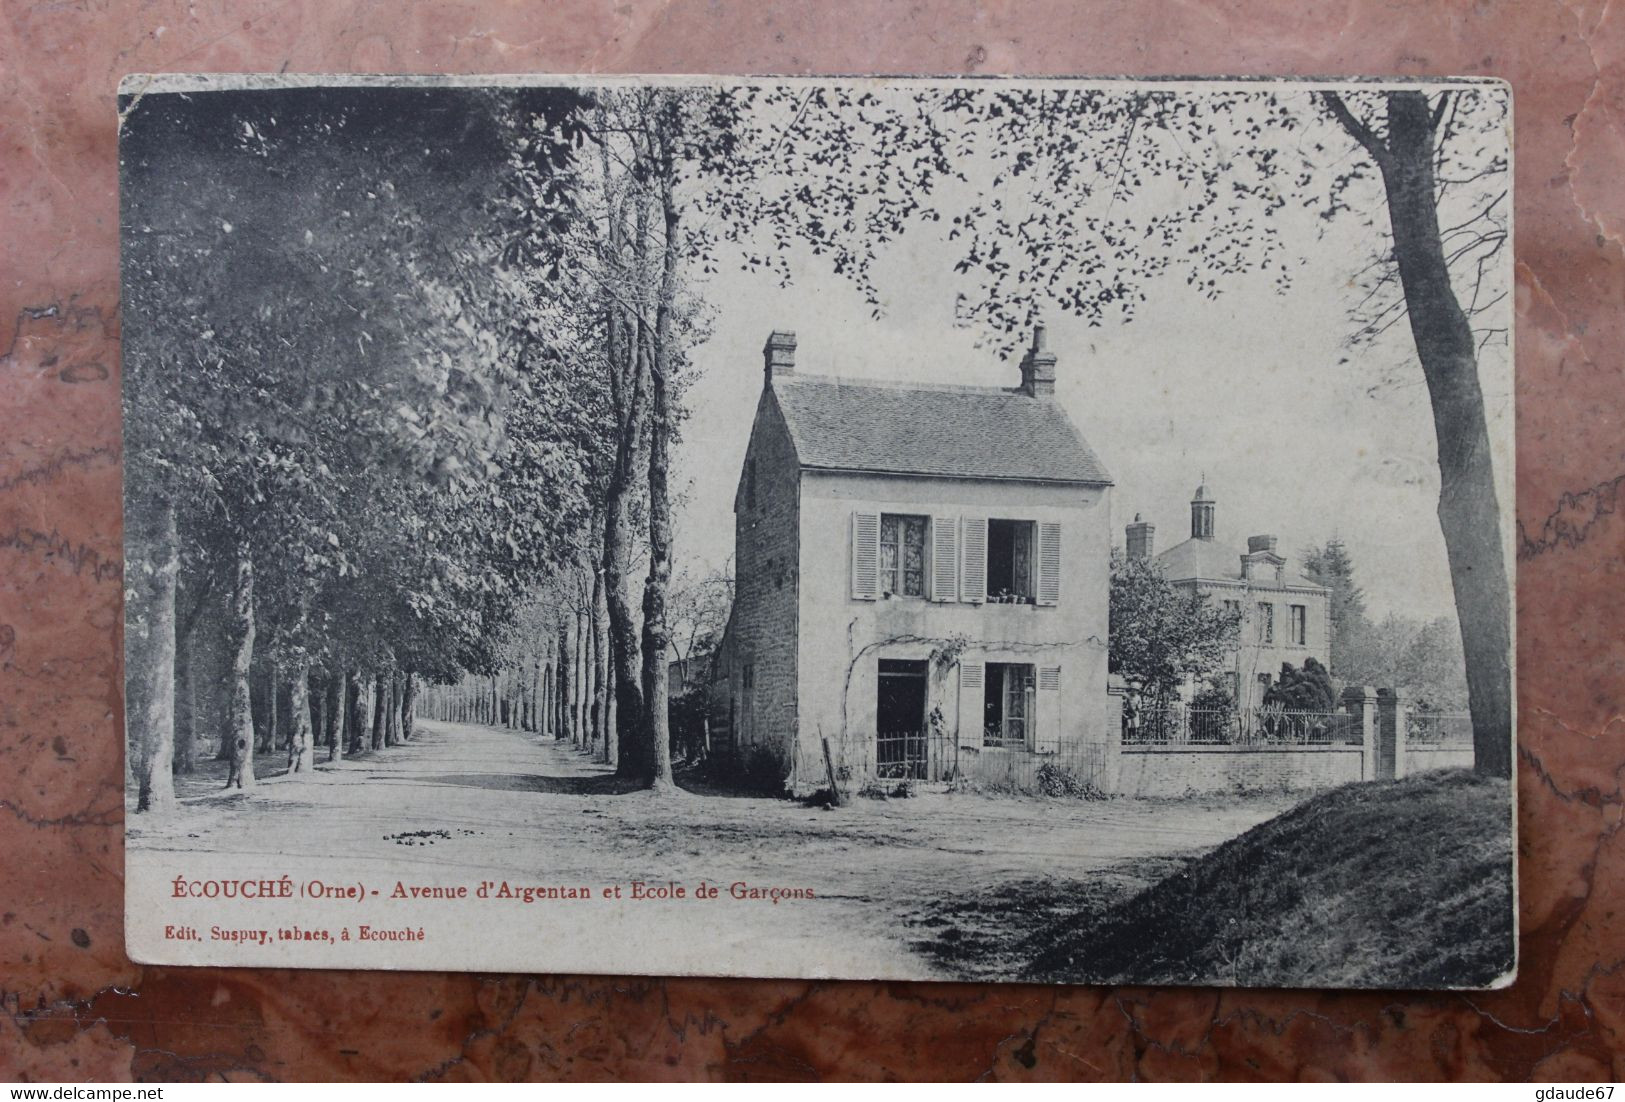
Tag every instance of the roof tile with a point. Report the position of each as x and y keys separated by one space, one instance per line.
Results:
x=955 y=432
x=1210 y=560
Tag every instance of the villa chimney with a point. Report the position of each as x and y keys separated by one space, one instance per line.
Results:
x=1140 y=536
x=1038 y=367
x=778 y=354
x=1261 y=562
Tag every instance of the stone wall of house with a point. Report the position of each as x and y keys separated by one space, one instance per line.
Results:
x=767 y=567
x=1172 y=772
x=843 y=637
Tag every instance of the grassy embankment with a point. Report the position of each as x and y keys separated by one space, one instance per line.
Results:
x=1398 y=884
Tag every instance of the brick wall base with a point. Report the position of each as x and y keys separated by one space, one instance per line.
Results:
x=1419 y=758
x=1214 y=770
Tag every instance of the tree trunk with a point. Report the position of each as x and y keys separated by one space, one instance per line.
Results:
x=562 y=674
x=300 y=737
x=375 y=699
x=612 y=737
x=553 y=693
x=629 y=374
x=269 y=735
x=355 y=712
x=623 y=629
x=193 y=677
x=216 y=684
x=572 y=660
x=656 y=632
x=335 y=716
x=1469 y=513
x=386 y=696
x=186 y=717
x=583 y=680
x=549 y=722
x=392 y=734
x=149 y=652
x=409 y=703
x=318 y=725
x=600 y=666
x=545 y=694
x=240 y=725
x=536 y=713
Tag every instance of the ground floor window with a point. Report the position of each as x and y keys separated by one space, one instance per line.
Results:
x=1007 y=710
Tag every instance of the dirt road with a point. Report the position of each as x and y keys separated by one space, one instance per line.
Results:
x=463 y=804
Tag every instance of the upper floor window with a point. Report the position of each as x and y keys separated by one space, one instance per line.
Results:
x=948 y=557
x=1010 y=561
x=902 y=555
x=1299 y=627
x=1266 y=622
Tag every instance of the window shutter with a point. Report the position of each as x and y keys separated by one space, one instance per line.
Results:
x=1047 y=728
x=865 y=555
x=971 y=698
x=1049 y=563
x=944 y=558
x=973 y=573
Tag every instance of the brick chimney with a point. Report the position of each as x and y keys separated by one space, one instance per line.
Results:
x=1038 y=367
x=778 y=354
x=1140 y=537
x=1261 y=562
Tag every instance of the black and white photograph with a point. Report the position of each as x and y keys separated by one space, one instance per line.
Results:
x=923 y=529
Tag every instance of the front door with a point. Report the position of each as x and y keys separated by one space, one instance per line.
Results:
x=900 y=743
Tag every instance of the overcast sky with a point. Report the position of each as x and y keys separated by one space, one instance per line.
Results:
x=1248 y=389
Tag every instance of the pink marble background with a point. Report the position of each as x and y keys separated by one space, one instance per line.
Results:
x=72 y=1007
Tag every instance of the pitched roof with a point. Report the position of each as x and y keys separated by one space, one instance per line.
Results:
x=1210 y=560
x=956 y=432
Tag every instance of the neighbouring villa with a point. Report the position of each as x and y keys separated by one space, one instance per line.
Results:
x=1285 y=617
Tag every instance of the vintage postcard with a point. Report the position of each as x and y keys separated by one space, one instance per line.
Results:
x=877 y=528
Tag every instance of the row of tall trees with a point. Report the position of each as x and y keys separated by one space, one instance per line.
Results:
x=403 y=400
x=353 y=445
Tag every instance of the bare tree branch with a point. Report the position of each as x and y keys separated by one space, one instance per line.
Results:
x=1438 y=111
x=1356 y=129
